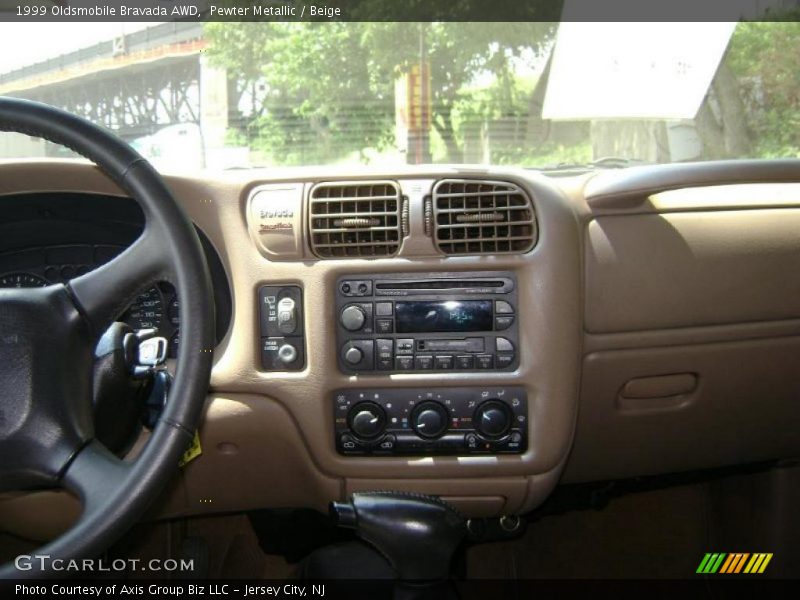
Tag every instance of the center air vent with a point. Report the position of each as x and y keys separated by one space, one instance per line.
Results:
x=482 y=217
x=355 y=219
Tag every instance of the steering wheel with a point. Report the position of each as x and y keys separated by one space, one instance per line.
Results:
x=47 y=339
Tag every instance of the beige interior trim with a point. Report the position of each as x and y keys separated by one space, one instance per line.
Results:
x=282 y=422
x=699 y=282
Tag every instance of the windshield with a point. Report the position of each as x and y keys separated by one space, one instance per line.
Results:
x=538 y=95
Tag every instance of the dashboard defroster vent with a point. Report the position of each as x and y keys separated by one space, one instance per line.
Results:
x=482 y=217
x=360 y=219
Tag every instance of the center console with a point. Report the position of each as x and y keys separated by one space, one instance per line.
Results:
x=429 y=322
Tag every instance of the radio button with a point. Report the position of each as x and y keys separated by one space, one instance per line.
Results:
x=444 y=362
x=503 y=345
x=502 y=307
x=385 y=354
x=404 y=363
x=383 y=325
x=383 y=309
x=501 y=323
x=504 y=360
x=484 y=361
x=353 y=318
x=405 y=346
x=356 y=288
x=465 y=362
x=423 y=363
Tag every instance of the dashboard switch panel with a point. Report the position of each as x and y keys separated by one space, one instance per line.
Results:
x=424 y=421
x=281 y=321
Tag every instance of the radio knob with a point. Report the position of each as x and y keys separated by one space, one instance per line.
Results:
x=353 y=355
x=353 y=318
x=492 y=419
x=366 y=420
x=429 y=420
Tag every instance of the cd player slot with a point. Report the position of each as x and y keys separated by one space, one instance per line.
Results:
x=438 y=285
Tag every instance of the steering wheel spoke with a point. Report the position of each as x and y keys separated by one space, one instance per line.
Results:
x=104 y=293
x=95 y=475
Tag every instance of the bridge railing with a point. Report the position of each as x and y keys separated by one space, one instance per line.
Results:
x=152 y=37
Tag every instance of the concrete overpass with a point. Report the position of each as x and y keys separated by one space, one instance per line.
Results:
x=135 y=84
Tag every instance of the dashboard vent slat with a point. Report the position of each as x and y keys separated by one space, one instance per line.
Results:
x=482 y=217
x=357 y=219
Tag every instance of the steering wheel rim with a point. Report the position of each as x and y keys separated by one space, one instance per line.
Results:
x=46 y=433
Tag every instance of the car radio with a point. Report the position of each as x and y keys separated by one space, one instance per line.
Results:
x=427 y=322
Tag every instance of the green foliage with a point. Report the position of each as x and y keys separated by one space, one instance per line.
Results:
x=548 y=155
x=321 y=98
x=329 y=87
x=764 y=56
x=324 y=92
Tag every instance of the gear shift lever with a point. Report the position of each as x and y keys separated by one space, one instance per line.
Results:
x=417 y=534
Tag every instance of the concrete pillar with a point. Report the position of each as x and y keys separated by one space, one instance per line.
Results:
x=213 y=111
x=17 y=145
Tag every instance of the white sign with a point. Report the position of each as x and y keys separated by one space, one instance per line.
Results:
x=633 y=70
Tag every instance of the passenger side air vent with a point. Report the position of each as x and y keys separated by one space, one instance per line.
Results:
x=482 y=217
x=355 y=219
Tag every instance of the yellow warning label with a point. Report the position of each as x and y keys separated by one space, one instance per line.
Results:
x=192 y=451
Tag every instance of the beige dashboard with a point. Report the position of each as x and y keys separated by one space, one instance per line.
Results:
x=658 y=331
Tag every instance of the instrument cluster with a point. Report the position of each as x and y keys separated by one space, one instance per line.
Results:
x=155 y=308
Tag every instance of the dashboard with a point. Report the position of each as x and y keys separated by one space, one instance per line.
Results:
x=480 y=334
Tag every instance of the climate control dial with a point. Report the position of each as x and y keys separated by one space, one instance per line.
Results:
x=367 y=420
x=492 y=419
x=429 y=420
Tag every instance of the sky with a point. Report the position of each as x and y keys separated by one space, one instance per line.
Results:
x=23 y=44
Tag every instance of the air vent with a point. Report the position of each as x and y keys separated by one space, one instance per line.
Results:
x=482 y=217
x=355 y=219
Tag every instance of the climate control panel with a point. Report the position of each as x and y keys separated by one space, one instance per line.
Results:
x=417 y=421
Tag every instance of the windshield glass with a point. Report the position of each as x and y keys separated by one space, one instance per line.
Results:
x=242 y=95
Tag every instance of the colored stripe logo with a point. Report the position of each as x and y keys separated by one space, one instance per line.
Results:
x=734 y=563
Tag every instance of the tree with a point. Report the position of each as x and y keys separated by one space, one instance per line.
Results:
x=330 y=86
x=763 y=56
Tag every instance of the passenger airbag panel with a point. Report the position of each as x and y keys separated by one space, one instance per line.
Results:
x=658 y=271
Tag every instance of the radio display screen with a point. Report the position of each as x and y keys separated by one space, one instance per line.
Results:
x=443 y=316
